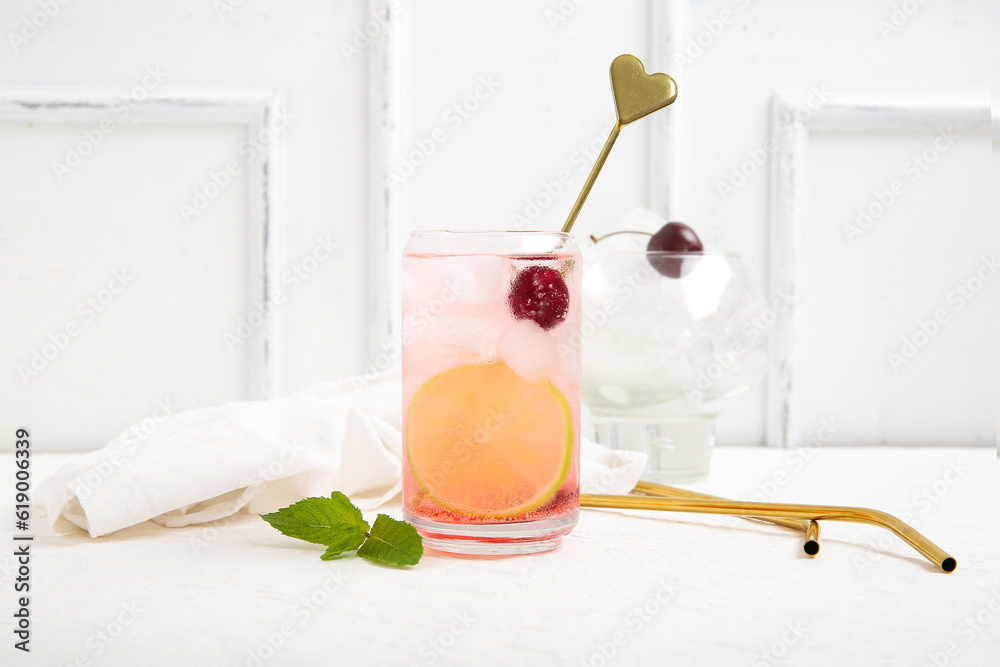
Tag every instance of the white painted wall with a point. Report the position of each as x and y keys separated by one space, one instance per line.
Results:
x=360 y=105
x=857 y=300
x=162 y=338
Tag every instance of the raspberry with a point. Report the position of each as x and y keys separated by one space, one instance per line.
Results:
x=539 y=293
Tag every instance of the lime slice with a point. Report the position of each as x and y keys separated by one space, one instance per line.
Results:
x=484 y=442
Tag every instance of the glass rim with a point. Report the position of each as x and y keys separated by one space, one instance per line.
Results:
x=490 y=232
x=670 y=253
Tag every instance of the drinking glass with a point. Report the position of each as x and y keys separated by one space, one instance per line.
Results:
x=491 y=389
x=666 y=350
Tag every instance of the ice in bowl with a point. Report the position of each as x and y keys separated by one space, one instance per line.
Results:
x=669 y=339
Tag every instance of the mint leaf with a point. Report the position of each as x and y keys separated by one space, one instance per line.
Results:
x=392 y=542
x=338 y=525
x=333 y=522
x=335 y=551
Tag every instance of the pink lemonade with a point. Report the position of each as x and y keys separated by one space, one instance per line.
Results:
x=491 y=389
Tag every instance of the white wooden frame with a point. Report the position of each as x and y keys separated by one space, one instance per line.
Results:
x=253 y=109
x=789 y=178
x=666 y=21
x=387 y=224
x=792 y=123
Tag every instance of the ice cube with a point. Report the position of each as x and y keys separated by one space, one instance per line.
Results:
x=746 y=315
x=480 y=280
x=616 y=395
x=705 y=286
x=528 y=350
x=670 y=374
x=452 y=285
x=423 y=280
x=701 y=354
x=454 y=339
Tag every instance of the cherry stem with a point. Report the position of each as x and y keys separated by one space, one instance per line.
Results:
x=596 y=239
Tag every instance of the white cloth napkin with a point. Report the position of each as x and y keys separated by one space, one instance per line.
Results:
x=207 y=464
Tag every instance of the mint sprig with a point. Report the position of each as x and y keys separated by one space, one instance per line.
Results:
x=338 y=525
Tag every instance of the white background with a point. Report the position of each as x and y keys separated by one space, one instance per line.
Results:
x=359 y=104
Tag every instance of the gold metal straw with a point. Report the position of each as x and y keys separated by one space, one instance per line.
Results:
x=811 y=545
x=637 y=94
x=928 y=549
x=651 y=489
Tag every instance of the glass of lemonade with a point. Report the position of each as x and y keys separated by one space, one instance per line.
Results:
x=491 y=389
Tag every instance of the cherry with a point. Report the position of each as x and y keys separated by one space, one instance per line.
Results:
x=673 y=237
x=539 y=293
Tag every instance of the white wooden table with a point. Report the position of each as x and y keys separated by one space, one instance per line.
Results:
x=639 y=588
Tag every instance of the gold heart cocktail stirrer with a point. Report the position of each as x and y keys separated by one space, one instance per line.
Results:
x=928 y=549
x=810 y=528
x=637 y=94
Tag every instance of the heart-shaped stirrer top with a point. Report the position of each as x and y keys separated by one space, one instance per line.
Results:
x=638 y=94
